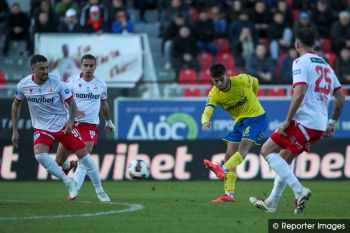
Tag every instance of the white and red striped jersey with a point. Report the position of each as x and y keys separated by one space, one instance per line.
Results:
x=45 y=101
x=321 y=81
x=88 y=96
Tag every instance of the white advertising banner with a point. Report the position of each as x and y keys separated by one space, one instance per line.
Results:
x=119 y=57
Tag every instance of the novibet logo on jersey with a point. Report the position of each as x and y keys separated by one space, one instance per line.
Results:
x=176 y=126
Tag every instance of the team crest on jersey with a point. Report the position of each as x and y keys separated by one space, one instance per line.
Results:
x=246 y=131
x=79 y=84
x=292 y=139
x=66 y=91
x=30 y=90
x=50 y=89
x=36 y=136
x=95 y=88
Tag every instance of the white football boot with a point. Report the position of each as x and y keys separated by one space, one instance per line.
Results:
x=260 y=204
x=72 y=189
x=103 y=197
x=302 y=198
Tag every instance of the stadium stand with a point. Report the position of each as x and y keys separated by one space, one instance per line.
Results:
x=147 y=19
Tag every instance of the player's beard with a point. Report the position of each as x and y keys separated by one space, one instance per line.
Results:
x=88 y=75
x=44 y=77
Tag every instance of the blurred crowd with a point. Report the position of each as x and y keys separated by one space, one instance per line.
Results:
x=253 y=36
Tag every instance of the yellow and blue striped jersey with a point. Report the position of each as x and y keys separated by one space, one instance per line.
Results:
x=239 y=100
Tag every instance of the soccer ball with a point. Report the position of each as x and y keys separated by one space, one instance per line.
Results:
x=138 y=169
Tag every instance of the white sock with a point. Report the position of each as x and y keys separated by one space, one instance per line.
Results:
x=229 y=194
x=52 y=167
x=92 y=172
x=66 y=164
x=79 y=175
x=281 y=167
x=278 y=187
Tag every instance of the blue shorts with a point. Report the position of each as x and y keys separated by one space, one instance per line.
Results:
x=250 y=128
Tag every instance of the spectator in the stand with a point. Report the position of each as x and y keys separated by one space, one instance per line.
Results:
x=44 y=25
x=86 y=13
x=63 y=6
x=170 y=33
x=184 y=50
x=70 y=24
x=244 y=48
x=220 y=24
x=248 y=4
x=203 y=31
x=45 y=6
x=95 y=22
x=121 y=24
x=302 y=5
x=304 y=22
x=261 y=65
x=283 y=8
x=234 y=11
x=280 y=36
x=261 y=18
x=285 y=73
x=338 y=5
x=323 y=17
x=175 y=7
x=115 y=7
x=340 y=32
x=235 y=29
x=4 y=8
x=342 y=65
x=16 y=26
x=143 y=6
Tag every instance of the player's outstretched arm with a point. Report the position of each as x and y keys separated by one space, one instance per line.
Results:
x=338 y=104
x=72 y=109
x=105 y=112
x=15 y=111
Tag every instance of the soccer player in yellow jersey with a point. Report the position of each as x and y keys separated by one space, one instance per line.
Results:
x=236 y=95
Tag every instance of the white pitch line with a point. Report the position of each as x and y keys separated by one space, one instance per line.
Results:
x=131 y=208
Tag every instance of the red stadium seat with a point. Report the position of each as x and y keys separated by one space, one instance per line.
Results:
x=222 y=44
x=205 y=60
x=3 y=80
x=345 y=91
x=188 y=75
x=326 y=45
x=265 y=42
x=231 y=72
x=192 y=92
x=279 y=62
x=204 y=76
x=276 y=92
x=226 y=58
x=296 y=14
x=330 y=57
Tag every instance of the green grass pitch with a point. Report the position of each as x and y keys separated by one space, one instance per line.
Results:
x=167 y=207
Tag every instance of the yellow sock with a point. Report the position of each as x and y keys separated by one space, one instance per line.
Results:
x=230 y=182
x=235 y=160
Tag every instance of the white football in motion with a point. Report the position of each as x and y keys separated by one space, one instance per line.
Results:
x=138 y=169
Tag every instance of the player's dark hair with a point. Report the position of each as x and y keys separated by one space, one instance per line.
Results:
x=217 y=70
x=37 y=58
x=88 y=57
x=306 y=36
